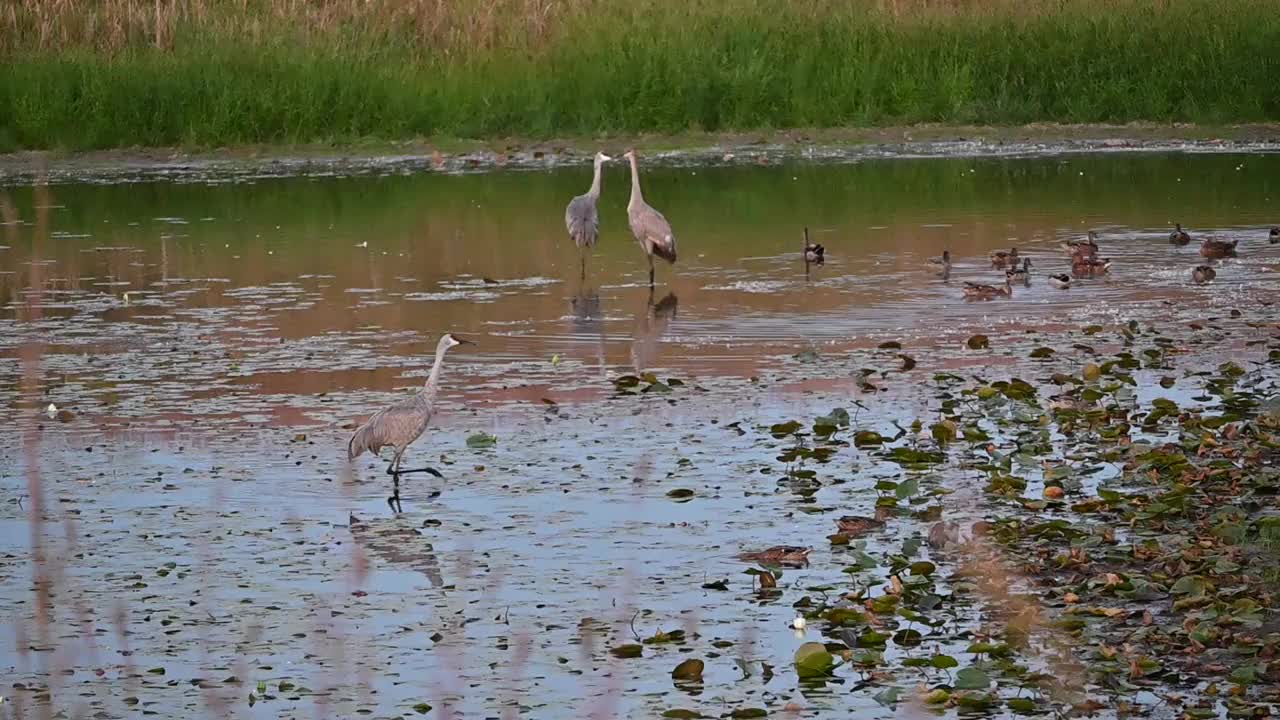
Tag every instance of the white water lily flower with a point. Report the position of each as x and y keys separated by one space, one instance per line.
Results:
x=52 y=410
x=798 y=623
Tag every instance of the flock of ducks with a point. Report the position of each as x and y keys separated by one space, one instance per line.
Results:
x=653 y=233
x=1085 y=263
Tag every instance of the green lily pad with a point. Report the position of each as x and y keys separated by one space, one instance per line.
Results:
x=812 y=661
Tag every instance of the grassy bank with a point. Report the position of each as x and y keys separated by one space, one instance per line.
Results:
x=218 y=72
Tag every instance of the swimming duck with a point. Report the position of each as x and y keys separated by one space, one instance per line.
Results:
x=1203 y=274
x=1275 y=235
x=789 y=555
x=1020 y=274
x=1090 y=266
x=1212 y=248
x=1000 y=258
x=1061 y=280
x=978 y=291
x=1082 y=248
x=939 y=265
x=1179 y=236
x=814 y=254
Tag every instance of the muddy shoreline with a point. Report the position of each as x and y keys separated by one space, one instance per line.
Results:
x=447 y=155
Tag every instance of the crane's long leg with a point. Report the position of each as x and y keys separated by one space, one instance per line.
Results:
x=583 y=255
x=651 y=271
x=394 y=501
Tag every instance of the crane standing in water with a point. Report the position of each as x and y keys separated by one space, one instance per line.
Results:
x=400 y=424
x=651 y=229
x=581 y=218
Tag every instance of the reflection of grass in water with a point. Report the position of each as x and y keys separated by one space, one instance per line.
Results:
x=95 y=79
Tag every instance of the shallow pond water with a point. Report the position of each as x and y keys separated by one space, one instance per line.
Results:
x=206 y=540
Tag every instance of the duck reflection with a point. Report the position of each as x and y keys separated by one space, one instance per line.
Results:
x=650 y=325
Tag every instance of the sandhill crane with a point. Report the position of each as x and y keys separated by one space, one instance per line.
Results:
x=651 y=229
x=399 y=425
x=581 y=218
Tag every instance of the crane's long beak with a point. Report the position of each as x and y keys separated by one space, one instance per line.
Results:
x=606 y=158
x=462 y=341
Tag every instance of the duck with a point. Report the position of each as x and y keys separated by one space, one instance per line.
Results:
x=857 y=525
x=1179 y=236
x=1274 y=236
x=1000 y=258
x=1090 y=266
x=1203 y=274
x=1020 y=274
x=1213 y=248
x=978 y=291
x=814 y=254
x=1061 y=281
x=789 y=555
x=939 y=265
x=1082 y=248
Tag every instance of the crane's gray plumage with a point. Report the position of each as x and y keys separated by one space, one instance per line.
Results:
x=580 y=217
x=400 y=424
x=651 y=229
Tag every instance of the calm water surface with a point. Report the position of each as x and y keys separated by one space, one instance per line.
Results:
x=216 y=340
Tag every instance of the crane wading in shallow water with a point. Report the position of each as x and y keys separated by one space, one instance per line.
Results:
x=399 y=425
x=651 y=229
x=581 y=218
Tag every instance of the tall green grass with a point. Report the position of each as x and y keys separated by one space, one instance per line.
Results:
x=661 y=67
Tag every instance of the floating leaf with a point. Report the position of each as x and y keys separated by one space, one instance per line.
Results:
x=630 y=650
x=812 y=660
x=688 y=671
x=888 y=696
x=1021 y=705
x=422 y=708
x=923 y=567
x=680 y=493
x=1042 y=353
x=890 y=345
x=747 y=713
x=943 y=662
x=782 y=430
x=971 y=678
x=481 y=440
x=682 y=714
x=867 y=438
x=978 y=342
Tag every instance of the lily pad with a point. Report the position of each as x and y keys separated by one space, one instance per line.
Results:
x=688 y=671
x=481 y=440
x=971 y=678
x=812 y=661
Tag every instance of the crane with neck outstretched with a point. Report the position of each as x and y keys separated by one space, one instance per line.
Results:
x=651 y=229
x=581 y=218
x=400 y=424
